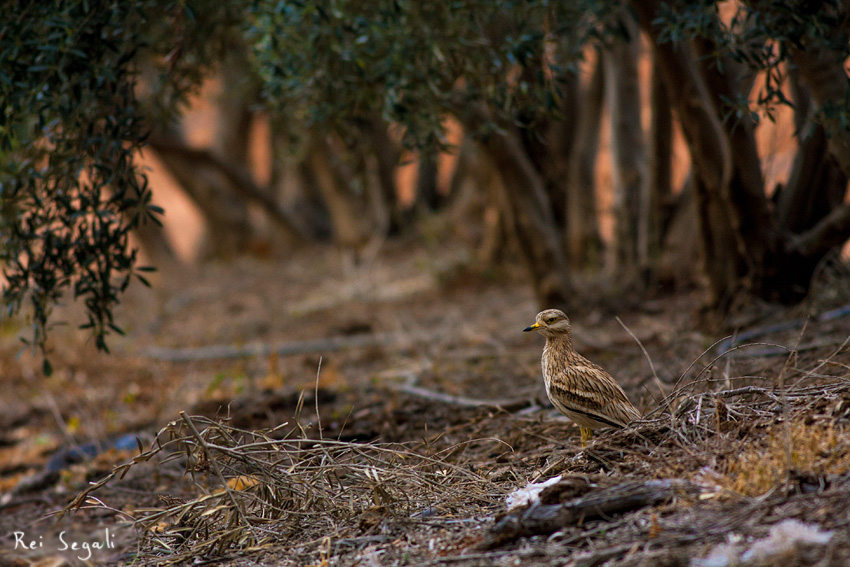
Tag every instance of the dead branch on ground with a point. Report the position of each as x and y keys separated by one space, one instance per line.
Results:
x=544 y=519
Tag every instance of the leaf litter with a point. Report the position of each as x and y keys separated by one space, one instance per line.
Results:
x=417 y=469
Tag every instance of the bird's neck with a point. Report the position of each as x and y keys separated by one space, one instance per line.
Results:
x=562 y=342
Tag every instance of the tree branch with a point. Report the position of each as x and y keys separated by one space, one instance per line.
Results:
x=219 y=352
x=833 y=230
x=237 y=176
x=602 y=503
x=823 y=72
x=507 y=404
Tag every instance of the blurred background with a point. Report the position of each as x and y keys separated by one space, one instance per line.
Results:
x=237 y=176
x=192 y=174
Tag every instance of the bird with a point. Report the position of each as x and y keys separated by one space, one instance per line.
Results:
x=578 y=388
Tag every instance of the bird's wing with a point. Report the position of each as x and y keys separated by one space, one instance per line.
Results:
x=591 y=391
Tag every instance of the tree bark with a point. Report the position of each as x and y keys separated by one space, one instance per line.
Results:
x=306 y=203
x=226 y=216
x=824 y=74
x=239 y=178
x=348 y=212
x=583 y=241
x=551 y=155
x=622 y=88
x=155 y=244
x=815 y=186
x=387 y=154
x=832 y=231
x=474 y=203
x=528 y=214
x=427 y=197
x=233 y=109
x=292 y=187
x=750 y=217
x=811 y=204
x=681 y=250
x=711 y=154
x=659 y=196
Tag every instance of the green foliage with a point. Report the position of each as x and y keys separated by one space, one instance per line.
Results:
x=760 y=37
x=415 y=63
x=70 y=126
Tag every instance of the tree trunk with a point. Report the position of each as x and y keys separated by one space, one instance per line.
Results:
x=474 y=203
x=681 y=250
x=307 y=204
x=348 y=212
x=583 y=241
x=427 y=197
x=745 y=244
x=628 y=164
x=226 y=216
x=659 y=196
x=233 y=110
x=824 y=74
x=551 y=156
x=749 y=214
x=238 y=178
x=811 y=210
x=229 y=230
x=387 y=154
x=711 y=155
x=815 y=186
x=293 y=187
x=528 y=215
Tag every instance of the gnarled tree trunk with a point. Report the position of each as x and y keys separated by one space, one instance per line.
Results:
x=387 y=153
x=711 y=156
x=746 y=245
x=628 y=164
x=747 y=203
x=225 y=214
x=658 y=199
x=583 y=241
x=529 y=218
x=349 y=213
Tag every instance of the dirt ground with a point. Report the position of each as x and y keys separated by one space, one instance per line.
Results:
x=304 y=411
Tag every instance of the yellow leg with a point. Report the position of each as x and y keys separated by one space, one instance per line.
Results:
x=586 y=434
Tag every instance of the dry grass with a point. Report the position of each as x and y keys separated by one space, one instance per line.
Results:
x=811 y=450
x=280 y=487
x=320 y=498
x=762 y=426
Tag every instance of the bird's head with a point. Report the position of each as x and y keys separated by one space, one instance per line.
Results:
x=551 y=323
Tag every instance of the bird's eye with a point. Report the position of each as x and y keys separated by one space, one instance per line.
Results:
x=550 y=320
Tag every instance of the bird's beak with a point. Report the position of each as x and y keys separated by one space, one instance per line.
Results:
x=533 y=327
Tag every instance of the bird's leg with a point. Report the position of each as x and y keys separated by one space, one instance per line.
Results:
x=586 y=434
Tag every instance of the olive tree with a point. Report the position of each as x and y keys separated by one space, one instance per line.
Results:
x=500 y=68
x=71 y=123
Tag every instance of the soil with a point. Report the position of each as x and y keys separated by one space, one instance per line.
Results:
x=381 y=413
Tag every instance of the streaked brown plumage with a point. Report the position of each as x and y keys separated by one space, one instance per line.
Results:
x=578 y=388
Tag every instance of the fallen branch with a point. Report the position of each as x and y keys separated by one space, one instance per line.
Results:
x=740 y=338
x=510 y=404
x=599 y=556
x=544 y=519
x=215 y=352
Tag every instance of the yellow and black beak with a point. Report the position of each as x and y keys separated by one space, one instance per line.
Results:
x=533 y=327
